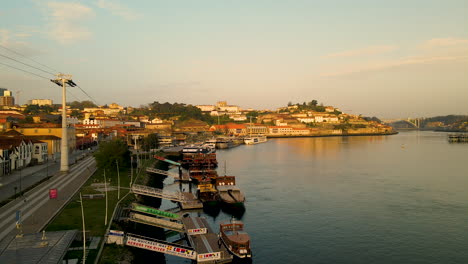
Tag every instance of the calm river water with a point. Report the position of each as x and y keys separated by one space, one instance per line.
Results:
x=370 y=199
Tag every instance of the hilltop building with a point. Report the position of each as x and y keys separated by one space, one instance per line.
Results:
x=7 y=99
x=40 y=102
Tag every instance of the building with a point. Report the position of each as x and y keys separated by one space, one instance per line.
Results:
x=206 y=108
x=257 y=129
x=236 y=129
x=222 y=106
x=39 y=131
x=40 y=151
x=7 y=99
x=19 y=151
x=40 y=102
x=159 y=126
x=287 y=131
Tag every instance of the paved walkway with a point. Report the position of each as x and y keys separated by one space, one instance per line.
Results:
x=36 y=208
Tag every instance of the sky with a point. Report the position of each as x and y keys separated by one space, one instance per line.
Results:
x=390 y=59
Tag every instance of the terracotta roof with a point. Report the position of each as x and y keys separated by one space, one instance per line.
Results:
x=235 y=126
x=8 y=143
x=41 y=125
x=43 y=137
x=11 y=133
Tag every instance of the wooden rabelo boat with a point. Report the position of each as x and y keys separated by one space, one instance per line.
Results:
x=208 y=194
x=229 y=193
x=236 y=240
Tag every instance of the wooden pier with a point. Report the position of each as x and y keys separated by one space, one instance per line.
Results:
x=190 y=202
x=205 y=242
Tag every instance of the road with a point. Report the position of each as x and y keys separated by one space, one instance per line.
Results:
x=36 y=207
x=26 y=177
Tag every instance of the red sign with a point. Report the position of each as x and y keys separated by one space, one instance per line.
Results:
x=53 y=193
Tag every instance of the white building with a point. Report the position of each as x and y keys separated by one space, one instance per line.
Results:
x=40 y=102
x=206 y=108
x=306 y=120
x=330 y=119
x=92 y=122
x=230 y=108
x=39 y=151
x=73 y=120
x=318 y=118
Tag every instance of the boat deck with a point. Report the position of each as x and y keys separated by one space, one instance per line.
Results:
x=205 y=242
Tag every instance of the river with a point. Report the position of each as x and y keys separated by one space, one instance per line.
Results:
x=367 y=199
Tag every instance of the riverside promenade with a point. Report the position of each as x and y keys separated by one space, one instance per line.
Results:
x=35 y=206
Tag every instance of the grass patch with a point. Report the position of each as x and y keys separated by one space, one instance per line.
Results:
x=94 y=209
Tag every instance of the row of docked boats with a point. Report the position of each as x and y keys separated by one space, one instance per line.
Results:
x=230 y=142
x=214 y=190
x=201 y=163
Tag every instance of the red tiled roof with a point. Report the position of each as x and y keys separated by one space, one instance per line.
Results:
x=235 y=126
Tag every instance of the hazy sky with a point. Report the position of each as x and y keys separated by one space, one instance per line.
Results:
x=399 y=58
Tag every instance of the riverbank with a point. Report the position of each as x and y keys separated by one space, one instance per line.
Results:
x=334 y=135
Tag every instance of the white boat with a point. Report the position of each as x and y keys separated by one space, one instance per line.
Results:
x=211 y=143
x=251 y=140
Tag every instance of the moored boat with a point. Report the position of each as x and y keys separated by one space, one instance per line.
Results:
x=230 y=194
x=211 y=143
x=252 y=140
x=225 y=143
x=236 y=240
x=208 y=194
x=201 y=176
x=199 y=156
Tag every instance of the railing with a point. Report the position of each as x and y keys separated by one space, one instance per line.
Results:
x=158 y=193
x=156 y=222
x=162 y=172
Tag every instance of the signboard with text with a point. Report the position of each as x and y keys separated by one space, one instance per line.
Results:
x=115 y=236
x=53 y=193
x=153 y=211
x=159 y=247
x=197 y=231
x=209 y=256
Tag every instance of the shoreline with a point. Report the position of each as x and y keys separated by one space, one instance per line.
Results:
x=335 y=135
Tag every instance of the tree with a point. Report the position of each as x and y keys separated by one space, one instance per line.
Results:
x=150 y=142
x=77 y=114
x=27 y=120
x=111 y=151
x=314 y=102
x=81 y=105
x=32 y=109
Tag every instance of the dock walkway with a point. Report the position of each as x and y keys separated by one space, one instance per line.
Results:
x=190 y=202
x=205 y=242
x=158 y=193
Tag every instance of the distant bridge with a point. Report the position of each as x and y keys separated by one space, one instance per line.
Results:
x=409 y=123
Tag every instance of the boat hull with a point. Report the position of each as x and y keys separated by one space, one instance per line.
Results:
x=229 y=248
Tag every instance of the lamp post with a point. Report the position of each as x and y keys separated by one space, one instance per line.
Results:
x=84 y=230
x=105 y=190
